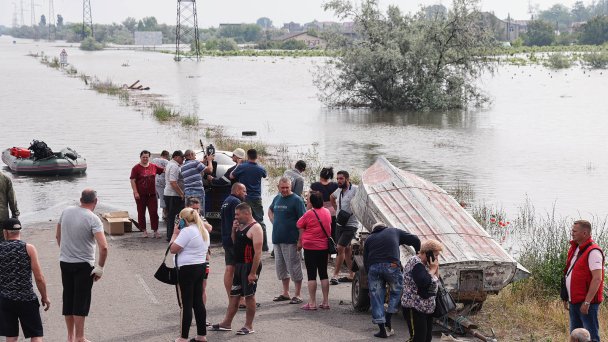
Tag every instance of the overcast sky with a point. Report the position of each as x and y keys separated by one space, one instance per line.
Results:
x=213 y=12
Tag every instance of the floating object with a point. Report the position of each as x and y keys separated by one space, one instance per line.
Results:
x=249 y=133
x=473 y=264
x=44 y=162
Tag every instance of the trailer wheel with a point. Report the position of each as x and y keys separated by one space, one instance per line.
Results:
x=359 y=295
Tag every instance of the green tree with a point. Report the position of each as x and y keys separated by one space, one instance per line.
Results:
x=150 y=23
x=90 y=44
x=227 y=44
x=294 y=45
x=404 y=61
x=595 y=31
x=580 y=12
x=244 y=32
x=558 y=15
x=264 y=23
x=539 y=33
x=42 y=20
x=59 y=21
x=130 y=23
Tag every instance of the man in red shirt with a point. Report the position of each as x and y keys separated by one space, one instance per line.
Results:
x=584 y=279
x=143 y=183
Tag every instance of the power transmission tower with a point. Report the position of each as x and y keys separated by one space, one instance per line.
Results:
x=87 y=19
x=33 y=13
x=15 y=23
x=51 y=21
x=22 y=17
x=187 y=29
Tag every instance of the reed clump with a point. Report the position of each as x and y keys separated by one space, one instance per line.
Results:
x=225 y=142
x=162 y=112
x=189 y=120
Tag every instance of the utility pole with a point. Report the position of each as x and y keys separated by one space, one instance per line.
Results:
x=187 y=29
x=51 y=21
x=87 y=19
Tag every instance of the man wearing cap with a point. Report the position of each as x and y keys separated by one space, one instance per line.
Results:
x=78 y=232
x=18 y=302
x=381 y=258
x=7 y=201
x=238 y=155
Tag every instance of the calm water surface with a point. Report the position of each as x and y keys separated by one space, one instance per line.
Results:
x=544 y=135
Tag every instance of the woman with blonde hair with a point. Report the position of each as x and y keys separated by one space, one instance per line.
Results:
x=190 y=247
x=420 y=283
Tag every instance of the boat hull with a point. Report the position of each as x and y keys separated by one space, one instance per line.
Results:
x=60 y=165
x=472 y=264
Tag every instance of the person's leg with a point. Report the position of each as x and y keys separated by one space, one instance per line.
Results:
x=200 y=313
x=29 y=317
x=79 y=328
x=311 y=273
x=591 y=322
x=9 y=319
x=67 y=280
x=250 y=313
x=294 y=265
x=69 y=324
x=280 y=263
x=348 y=258
x=236 y=292
x=141 y=213
x=170 y=202
x=201 y=197
x=233 y=307
x=377 y=290
x=395 y=281
x=575 y=316
x=429 y=328
x=152 y=205
x=186 y=288
x=322 y=269
x=83 y=284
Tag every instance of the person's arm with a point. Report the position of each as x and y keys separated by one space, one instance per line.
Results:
x=175 y=248
x=299 y=243
x=12 y=200
x=236 y=172
x=134 y=187
x=177 y=189
x=159 y=170
x=180 y=242
x=38 y=276
x=423 y=279
x=299 y=186
x=406 y=238
x=102 y=243
x=271 y=215
x=257 y=236
x=332 y=200
x=235 y=226
x=209 y=168
x=58 y=234
x=596 y=280
x=302 y=221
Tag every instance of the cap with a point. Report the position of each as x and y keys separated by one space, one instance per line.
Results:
x=378 y=225
x=12 y=224
x=239 y=152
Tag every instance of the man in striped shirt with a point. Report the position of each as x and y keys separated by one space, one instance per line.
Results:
x=191 y=171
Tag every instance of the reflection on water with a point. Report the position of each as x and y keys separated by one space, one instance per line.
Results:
x=543 y=135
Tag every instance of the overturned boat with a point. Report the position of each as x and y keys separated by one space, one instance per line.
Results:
x=39 y=160
x=472 y=264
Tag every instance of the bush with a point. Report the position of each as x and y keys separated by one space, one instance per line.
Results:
x=227 y=44
x=90 y=44
x=294 y=45
x=596 y=60
x=558 y=61
x=162 y=112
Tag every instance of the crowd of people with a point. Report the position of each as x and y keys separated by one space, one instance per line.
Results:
x=304 y=222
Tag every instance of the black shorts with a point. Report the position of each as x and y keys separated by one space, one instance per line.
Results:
x=77 y=284
x=240 y=284
x=345 y=235
x=14 y=312
x=229 y=256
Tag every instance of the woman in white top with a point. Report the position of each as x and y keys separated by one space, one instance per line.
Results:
x=191 y=247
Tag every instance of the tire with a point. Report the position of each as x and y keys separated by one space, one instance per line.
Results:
x=359 y=295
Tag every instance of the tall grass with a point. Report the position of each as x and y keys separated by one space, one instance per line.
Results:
x=558 y=60
x=163 y=113
x=596 y=60
x=189 y=120
x=225 y=142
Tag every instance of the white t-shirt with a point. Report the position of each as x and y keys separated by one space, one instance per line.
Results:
x=595 y=263
x=172 y=174
x=78 y=229
x=194 y=247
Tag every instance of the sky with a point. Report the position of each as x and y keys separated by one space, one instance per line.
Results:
x=213 y=12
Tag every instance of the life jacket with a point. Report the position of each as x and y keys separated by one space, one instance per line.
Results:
x=581 y=274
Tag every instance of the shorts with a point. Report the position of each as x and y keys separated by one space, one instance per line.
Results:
x=77 y=284
x=345 y=235
x=13 y=312
x=240 y=284
x=229 y=256
x=287 y=261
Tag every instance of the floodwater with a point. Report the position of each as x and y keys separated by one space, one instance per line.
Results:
x=543 y=136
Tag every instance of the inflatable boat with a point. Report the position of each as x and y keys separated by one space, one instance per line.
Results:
x=38 y=162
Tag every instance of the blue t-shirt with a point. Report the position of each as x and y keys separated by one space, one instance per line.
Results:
x=287 y=211
x=227 y=217
x=191 y=171
x=250 y=174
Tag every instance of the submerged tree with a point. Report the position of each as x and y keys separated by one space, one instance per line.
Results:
x=402 y=61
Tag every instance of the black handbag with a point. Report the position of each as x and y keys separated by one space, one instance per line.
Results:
x=343 y=215
x=563 y=291
x=444 y=303
x=165 y=274
x=331 y=244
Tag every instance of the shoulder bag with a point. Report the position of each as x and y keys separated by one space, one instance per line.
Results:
x=343 y=215
x=165 y=274
x=331 y=244
x=563 y=291
x=444 y=303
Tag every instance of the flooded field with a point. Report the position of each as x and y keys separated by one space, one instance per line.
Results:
x=543 y=136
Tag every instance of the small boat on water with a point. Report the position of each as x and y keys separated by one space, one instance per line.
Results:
x=472 y=264
x=39 y=160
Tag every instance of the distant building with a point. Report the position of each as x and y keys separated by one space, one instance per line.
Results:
x=231 y=25
x=575 y=26
x=293 y=27
x=504 y=30
x=310 y=41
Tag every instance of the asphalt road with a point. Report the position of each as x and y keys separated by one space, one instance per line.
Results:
x=129 y=304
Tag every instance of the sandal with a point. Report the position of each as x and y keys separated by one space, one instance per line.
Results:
x=145 y=233
x=324 y=306
x=345 y=280
x=245 y=331
x=296 y=300
x=280 y=298
x=218 y=327
x=308 y=307
x=157 y=235
x=334 y=281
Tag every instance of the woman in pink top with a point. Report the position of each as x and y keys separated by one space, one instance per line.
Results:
x=315 y=227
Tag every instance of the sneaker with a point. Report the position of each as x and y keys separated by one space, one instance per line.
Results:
x=334 y=281
x=389 y=332
x=272 y=254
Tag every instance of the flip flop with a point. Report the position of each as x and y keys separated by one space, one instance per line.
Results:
x=280 y=298
x=243 y=306
x=217 y=327
x=245 y=331
x=308 y=307
x=324 y=306
x=295 y=300
x=157 y=235
x=345 y=280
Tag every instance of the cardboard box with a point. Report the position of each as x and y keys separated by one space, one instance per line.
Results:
x=116 y=222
